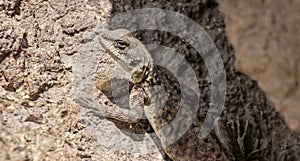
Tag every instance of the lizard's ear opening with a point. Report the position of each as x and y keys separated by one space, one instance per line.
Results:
x=138 y=75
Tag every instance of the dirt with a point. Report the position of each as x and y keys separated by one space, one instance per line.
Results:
x=39 y=44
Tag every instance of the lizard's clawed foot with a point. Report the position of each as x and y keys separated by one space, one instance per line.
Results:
x=240 y=136
x=95 y=114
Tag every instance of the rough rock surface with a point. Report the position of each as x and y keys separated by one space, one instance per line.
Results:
x=39 y=41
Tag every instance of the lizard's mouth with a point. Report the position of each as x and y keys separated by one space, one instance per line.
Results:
x=122 y=63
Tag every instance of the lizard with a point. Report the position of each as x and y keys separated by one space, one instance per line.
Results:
x=156 y=94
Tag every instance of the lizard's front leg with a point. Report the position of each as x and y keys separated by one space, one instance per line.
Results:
x=132 y=115
x=110 y=110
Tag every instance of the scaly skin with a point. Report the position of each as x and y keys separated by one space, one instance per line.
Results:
x=156 y=93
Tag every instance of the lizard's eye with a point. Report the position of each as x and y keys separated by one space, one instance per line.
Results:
x=121 y=44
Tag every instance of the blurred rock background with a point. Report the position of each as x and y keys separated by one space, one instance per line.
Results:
x=266 y=38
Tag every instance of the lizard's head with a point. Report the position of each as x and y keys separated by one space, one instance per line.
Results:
x=128 y=51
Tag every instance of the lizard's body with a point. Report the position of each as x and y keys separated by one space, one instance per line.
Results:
x=160 y=105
